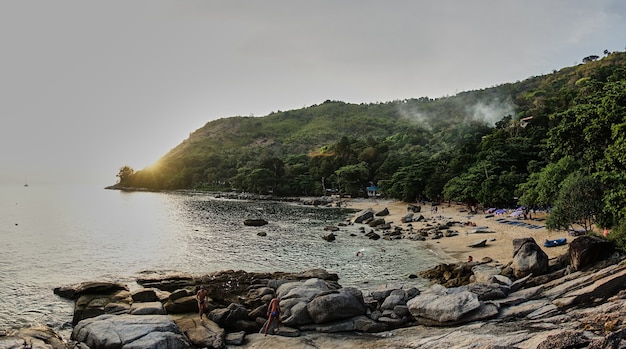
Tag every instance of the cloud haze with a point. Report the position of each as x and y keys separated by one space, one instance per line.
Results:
x=88 y=87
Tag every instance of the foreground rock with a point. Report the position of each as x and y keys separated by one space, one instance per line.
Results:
x=488 y=306
x=130 y=331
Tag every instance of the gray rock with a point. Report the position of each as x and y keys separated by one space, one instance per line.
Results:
x=365 y=324
x=586 y=250
x=202 y=334
x=401 y=310
x=519 y=283
x=344 y=303
x=117 y=308
x=565 y=339
x=229 y=316
x=528 y=258
x=544 y=312
x=522 y=309
x=235 y=338
x=36 y=337
x=344 y=325
x=90 y=305
x=296 y=315
x=364 y=215
x=487 y=292
x=180 y=293
x=130 y=331
x=484 y=272
x=502 y=280
x=144 y=295
x=166 y=280
x=601 y=288
x=147 y=308
x=396 y=297
x=90 y=287
x=187 y=304
x=443 y=307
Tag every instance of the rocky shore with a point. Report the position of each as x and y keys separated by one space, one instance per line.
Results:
x=574 y=300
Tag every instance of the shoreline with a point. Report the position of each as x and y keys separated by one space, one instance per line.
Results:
x=456 y=248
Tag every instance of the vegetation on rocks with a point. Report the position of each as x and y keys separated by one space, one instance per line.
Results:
x=557 y=140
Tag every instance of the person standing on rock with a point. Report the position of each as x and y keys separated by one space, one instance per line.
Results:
x=273 y=312
x=201 y=298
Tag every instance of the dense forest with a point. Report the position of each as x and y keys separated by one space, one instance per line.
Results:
x=557 y=141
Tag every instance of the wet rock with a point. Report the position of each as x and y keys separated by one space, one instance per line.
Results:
x=329 y=237
x=364 y=215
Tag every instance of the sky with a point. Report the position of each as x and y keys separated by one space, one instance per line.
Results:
x=87 y=87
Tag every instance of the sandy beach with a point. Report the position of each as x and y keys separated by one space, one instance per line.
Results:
x=499 y=246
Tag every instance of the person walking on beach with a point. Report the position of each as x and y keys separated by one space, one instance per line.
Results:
x=273 y=312
x=201 y=298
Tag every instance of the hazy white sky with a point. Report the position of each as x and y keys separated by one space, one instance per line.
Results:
x=87 y=87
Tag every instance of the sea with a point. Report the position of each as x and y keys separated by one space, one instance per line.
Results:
x=55 y=235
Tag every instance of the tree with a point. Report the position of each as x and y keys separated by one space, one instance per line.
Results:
x=579 y=203
x=591 y=58
x=124 y=174
x=352 y=178
x=542 y=188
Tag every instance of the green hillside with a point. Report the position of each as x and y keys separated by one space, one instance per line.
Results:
x=517 y=143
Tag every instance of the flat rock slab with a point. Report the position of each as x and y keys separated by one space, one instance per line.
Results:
x=130 y=331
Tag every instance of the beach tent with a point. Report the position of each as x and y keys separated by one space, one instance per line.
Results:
x=517 y=213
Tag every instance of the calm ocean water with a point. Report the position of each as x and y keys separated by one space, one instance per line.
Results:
x=57 y=235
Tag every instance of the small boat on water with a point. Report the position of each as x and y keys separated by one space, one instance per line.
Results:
x=481 y=243
x=554 y=243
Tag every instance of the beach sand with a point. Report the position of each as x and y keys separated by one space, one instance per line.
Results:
x=499 y=243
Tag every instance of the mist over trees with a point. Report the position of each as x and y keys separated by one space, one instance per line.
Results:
x=528 y=143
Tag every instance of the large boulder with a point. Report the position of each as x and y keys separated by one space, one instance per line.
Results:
x=130 y=331
x=341 y=304
x=186 y=304
x=443 y=305
x=202 y=334
x=90 y=305
x=528 y=258
x=587 y=250
x=294 y=297
x=229 y=317
x=398 y=297
x=364 y=216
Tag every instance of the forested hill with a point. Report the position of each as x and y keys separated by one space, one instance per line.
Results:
x=514 y=143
